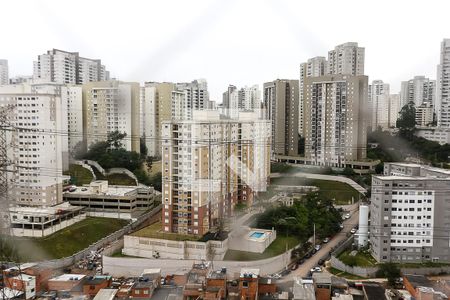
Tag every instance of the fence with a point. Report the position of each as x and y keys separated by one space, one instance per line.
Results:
x=68 y=261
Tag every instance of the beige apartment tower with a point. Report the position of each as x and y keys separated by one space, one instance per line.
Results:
x=110 y=106
x=281 y=105
x=335 y=119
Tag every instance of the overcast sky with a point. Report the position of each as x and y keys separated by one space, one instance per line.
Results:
x=226 y=41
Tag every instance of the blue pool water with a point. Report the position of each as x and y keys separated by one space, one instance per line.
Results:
x=257 y=235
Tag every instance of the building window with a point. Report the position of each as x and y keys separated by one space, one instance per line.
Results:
x=245 y=284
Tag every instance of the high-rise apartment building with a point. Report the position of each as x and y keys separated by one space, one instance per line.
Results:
x=243 y=99
x=314 y=67
x=443 y=86
x=424 y=115
x=335 y=122
x=346 y=59
x=409 y=220
x=68 y=67
x=35 y=149
x=394 y=109
x=166 y=101
x=208 y=166
x=379 y=105
x=281 y=108
x=4 y=72
x=418 y=90
x=110 y=106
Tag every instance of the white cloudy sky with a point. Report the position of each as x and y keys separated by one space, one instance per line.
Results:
x=226 y=41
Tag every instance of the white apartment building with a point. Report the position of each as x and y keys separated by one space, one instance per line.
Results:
x=314 y=67
x=379 y=105
x=394 y=109
x=110 y=106
x=424 y=114
x=443 y=86
x=409 y=220
x=67 y=68
x=250 y=97
x=4 y=72
x=418 y=90
x=21 y=79
x=74 y=96
x=36 y=148
x=335 y=119
x=435 y=134
x=346 y=59
x=209 y=165
x=244 y=99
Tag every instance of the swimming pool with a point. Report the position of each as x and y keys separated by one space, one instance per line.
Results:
x=257 y=235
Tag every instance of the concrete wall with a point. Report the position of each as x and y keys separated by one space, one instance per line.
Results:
x=126 y=266
x=147 y=247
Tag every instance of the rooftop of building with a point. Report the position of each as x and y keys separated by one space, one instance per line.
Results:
x=407 y=177
x=321 y=278
x=374 y=291
x=218 y=274
x=45 y=211
x=418 y=280
x=94 y=280
x=68 y=277
x=106 y=294
x=249 y=273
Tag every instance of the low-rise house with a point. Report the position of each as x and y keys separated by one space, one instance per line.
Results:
x=93 y=284
x=106 y=294
x=374 y=291
x=196 y=281
x=303 y=289
x=248 y=283
x=322 y=285
x=216 y=285
x=124 y=291
x=67 y=285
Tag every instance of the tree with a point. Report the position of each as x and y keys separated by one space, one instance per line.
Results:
x=390 y=271
x=115 y=139
x=142 y=147
x=406 y=123
x=348 y=171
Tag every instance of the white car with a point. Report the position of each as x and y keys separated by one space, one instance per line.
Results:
x=317 y=247
x=276 y=276
x=326 y=240
x=353 y=231
x=316 y=269
x=347 y=216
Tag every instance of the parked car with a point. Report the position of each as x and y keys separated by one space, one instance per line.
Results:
x=341 y=226
x=317 y=247
x=321 y=262
x=353 y=231
x=326 y=240
x=316 y=269
x=347 y=216
x=308 y=255
x=294 y=267
x=285 y=272
x=275 y=276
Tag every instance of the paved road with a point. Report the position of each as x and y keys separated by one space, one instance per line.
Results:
x=324 y=177
x=326 y=248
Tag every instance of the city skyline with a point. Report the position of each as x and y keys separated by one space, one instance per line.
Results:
x=188 y=48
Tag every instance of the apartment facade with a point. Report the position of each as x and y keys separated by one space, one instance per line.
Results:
x=4 y=72
x=418 y=90
x=68 y=68
x=409 y=218
x=281 y=108
x=335 y=125
x=443 y=86
x=110 y=106
x=379 y=104
x=210 y=165
x=424 y=115
x=36 y=148
x=235 y=100
x=314 y=67
x=347 y=58
x=394 y=109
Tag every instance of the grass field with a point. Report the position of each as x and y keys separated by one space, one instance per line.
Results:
x=361 y=259
x=154 y=231
x=342 y=193
x=68 y=240
x=120 y=179
x=156 y=168
x=79 y=174
x=276 y=248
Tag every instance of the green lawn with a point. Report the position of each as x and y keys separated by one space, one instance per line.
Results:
x=120 y=179
x=342 y=193
x=68 y=240
x=79 y=174
x=154 y=231
x=361 y=259
x=343 y=274
x=276 y=248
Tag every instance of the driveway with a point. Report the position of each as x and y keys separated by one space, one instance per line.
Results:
x=304 y=268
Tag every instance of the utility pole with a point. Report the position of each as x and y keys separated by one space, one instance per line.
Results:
x=314 y=235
